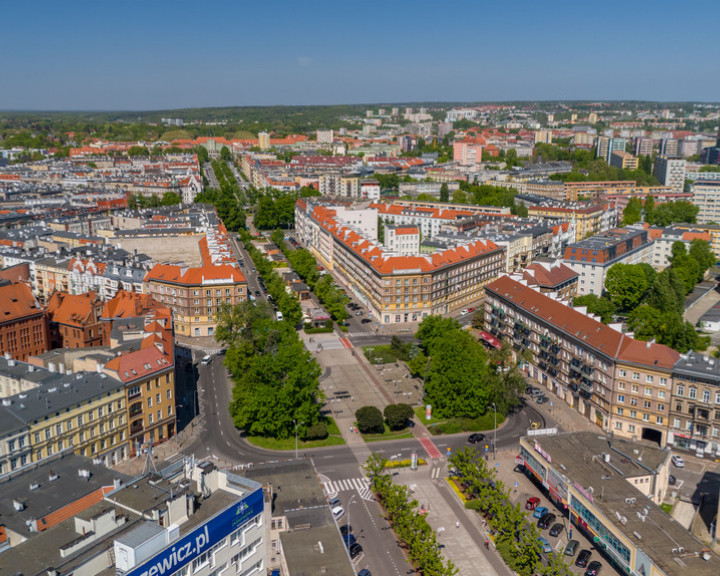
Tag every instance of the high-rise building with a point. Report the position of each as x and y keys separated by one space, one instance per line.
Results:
x=706 y=196
x=264 y=140
x=325 y=136
x=644 y=146
x=669 y=146
x=606 y=146
x=670 y=172
x=624 y=160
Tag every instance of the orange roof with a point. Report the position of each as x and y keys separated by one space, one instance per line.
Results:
x=179 y=275
x=592 y=332
x=139 y=364
x=72 y=309
x=17 y=301
x=409 y=230
x=130 y=305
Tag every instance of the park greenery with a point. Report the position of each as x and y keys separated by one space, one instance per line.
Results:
x=305 y=264
x=286 y=302
x=462 y=379
x=653 y=302
x=276 y=381
x=169 y=198
x=371 y=421
x=409 y=524
x=275 y=209
x=516 y=539
x=661 y=215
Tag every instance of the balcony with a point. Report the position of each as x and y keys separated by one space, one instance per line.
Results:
x=136 y=427
x=575 y=362
x=554 y=349
x=136 y=409
x=587 y=369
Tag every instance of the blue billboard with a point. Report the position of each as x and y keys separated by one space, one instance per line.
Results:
x=193 y=544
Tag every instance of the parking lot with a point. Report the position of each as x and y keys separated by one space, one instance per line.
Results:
x=522 y=488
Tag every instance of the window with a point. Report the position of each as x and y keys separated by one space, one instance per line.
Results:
x=621 y=398
x=634 y=388
x=661 y=407
x=150 y=418
x=149 y=402
x=661 y=394
x=646 y=418
x=157 y=398
x=676 y=423
x=706 y=396
x=169 y=394
x=621 y=385
x=636 y=375
x=631 y=428
x=620 y=411
x=622 y=373
x=681 y=390
x=646 y=405
x=693 y=393
x=648 y=391
x=633 y=414
x=663 y=381
x=633 y=401
x=648 y=379
x=660 y=419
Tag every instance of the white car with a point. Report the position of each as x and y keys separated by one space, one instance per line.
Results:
x=465 y=312
x=678 y=462
x=338 y=512
x=206 y=360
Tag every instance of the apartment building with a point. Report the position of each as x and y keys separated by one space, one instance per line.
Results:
x=670 y=172
x=593 y=257
x=694 y=413
x=23 y=327
x=664 y=238
x=580 y=359
x=468 y=152
x=51 y=274
x=397 y=289
x=430 y=220
x=623 y=160
x=706 y=196
x=83 y=412
x=74 y=320
x=195 y=295
x=402 y=240
x=589 y=219
x=606 y=146
x=712 y=230
x=552 y=276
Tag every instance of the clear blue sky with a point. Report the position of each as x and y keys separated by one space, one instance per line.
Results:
x=156 y=54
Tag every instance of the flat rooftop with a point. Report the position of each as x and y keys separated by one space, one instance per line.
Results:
x=579 y=457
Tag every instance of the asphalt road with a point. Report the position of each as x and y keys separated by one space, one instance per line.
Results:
x=210 y=173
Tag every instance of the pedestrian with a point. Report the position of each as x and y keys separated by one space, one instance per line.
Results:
x=457 y=524
x=487 y=544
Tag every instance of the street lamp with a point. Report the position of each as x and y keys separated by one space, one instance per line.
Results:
x=495 y=431
x=296 y=437
x=349 y=526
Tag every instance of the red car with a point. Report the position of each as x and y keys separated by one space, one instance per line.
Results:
x=532 y=503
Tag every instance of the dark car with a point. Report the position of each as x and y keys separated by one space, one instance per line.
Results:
x=349 y=539
x=476 y=438
x=672 y=480
x=365 y=321
x=345 y=529
x=556 y=529
x=355 y=550
x=257 y=292
x=583 y=558
x=547 y=519
x=541 y=399
x=364 y=572
x=593 y=568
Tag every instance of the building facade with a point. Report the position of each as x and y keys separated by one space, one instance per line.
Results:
x=23 y=326
x=670 y=172
x=706 y=196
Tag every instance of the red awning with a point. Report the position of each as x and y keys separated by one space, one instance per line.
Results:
x=490 y=339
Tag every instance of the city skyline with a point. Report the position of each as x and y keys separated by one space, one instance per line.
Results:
x=176 y=55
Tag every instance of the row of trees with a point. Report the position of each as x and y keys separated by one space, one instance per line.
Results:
x=275 y=209
x=654 y=301
x=305 y=264
x=516 y=540
x=410 y=526
x=462 y=379
x=276 y=381
x=286 y=302
x=227 y=206
x=662 y=215
x=139 y=201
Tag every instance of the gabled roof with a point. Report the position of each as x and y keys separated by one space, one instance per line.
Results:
x=130 y=305
x=201 y=275
x=17 y=301
x=139 y=364
x=548 y=275
x=72 y=309
x=591 y=332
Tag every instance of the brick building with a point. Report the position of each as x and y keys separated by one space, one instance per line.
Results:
x=23 y=325
x=74 y=320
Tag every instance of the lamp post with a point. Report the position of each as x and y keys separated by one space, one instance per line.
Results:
x=495 y=431
x=349 y=526
x=296 y=437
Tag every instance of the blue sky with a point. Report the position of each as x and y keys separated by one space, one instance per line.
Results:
x=154 y=54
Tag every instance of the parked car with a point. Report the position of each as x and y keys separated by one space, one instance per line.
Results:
x=583 y=558
x=539 y=511
x=338 y=512
x=541 y=399
x=465 y=312
x=571 y=548
x=531 y=390
x=206 y=360
x=334 y=502
x=545 y=545
x=365 y=321
x=532 y=503
x=593 y=568
x=556 y=529
x=364 y=572
x=349 y=540
x=359 y=313
x=355 y=550
x=546 y=519
x=672 y=480
x=678 y=462
x=345 y=529
x=476 y=438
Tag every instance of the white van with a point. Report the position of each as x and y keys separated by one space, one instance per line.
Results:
x=338 y=512
x=279 y=316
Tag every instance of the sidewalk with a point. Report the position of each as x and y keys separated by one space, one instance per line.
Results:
x=557 y=411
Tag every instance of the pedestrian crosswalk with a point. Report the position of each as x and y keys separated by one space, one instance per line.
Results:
x=334 y=487
x=361 y=334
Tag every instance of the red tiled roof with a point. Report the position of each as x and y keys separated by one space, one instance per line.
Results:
x=130 y=305
x=71 y=309
x=592 y=332
x=139 y=364
x=17 y=301
x=179 y=275
x=548 y=276
x=409 y=230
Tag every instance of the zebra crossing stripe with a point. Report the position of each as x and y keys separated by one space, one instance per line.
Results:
x=334 y=487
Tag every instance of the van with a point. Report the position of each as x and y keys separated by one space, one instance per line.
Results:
x=571 y=548
x=338 y=512
x=206 y=360
x=279 y=316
